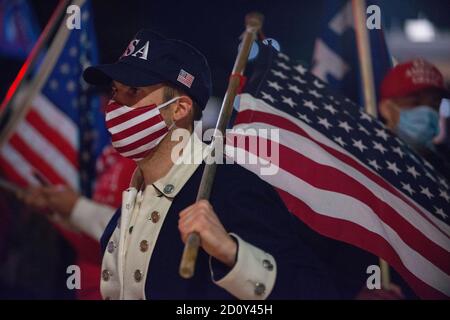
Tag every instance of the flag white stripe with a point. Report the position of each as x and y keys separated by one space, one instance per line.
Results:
x=20 y=165
x=56 y=119
x=46 y=151
x=313 y=151
x=250 y=103
x=343 y=207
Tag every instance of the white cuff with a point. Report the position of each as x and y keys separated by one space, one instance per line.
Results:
x=253 y=276
x=91 y=217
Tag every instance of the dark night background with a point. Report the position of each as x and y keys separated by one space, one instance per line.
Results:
x=214 y=27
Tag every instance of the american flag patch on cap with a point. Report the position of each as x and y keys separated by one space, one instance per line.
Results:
x=185 y=78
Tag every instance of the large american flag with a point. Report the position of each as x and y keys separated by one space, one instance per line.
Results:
x=345 y=175
x=63 y=131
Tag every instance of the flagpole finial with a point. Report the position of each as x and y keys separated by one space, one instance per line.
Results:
x=254 y=20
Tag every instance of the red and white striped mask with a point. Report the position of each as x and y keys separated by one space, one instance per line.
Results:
x=136 y=131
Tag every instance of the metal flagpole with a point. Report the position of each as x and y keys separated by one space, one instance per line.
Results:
x=370 y=103
x=39 y=80
x=253 y=22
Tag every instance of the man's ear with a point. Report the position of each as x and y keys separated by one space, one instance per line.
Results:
x=183 y=109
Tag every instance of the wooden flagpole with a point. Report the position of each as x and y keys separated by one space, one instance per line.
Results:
x=370 y=102
x=253 y=22
x=41 y=77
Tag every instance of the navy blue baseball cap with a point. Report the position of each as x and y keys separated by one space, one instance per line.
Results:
x=151 y=59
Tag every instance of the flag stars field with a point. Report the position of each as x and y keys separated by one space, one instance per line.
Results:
x=344 y=125
x=430 y=176
x=407 y=187
x=318 y=85
x=440 y=212
x=379 y=147
x=365 y=116
x=330 y=108
x=359 y=145
x=53 y=84
x=288 y=101
x=304 y=117
x=426 y=192
x=283 y=66
x=295 y=89
x=300 y=80
x=310 y=105
x=443 y=183
x=274 y=85
x=300 y=69
x=444 y=195
x=340 y=141
x=279 y=74
x=315 y=94
x=268 y=97
x=363 y=129
x=283 y=56
x=412 y=171
x=392 y=166
x=324 y=122
x=398 y=151
x=374 y=164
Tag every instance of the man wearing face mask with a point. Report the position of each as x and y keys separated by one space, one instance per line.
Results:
x=411 y=94
x=250 y=247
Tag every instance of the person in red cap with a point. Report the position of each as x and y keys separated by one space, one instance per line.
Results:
x=411 y=94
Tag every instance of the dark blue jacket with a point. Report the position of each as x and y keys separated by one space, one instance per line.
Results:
x=250 y=208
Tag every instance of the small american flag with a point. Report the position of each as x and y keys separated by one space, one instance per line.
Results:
x=185 y=78
x=345 y=175
x=63 y=131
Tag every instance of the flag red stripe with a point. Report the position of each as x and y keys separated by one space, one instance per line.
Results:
x=354 y=234
x=249 y=116
x=53 y=137
x=36 y=161
x=328 y=178
x=11 y=173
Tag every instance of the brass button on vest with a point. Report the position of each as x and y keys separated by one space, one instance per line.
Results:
x=143 y=245
x=138 y=275
x=154 y=216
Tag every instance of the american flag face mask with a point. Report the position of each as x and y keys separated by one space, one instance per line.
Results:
x=136 y=131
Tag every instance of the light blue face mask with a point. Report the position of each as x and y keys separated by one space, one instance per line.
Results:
x=418 y=126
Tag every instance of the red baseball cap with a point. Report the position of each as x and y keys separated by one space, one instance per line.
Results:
x=410 y=77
